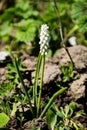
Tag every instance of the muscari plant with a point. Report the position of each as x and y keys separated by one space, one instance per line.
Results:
x=37 y=95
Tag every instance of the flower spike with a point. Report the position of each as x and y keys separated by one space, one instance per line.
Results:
x=44 y=39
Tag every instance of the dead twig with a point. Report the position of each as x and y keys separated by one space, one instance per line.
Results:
x=63 y=40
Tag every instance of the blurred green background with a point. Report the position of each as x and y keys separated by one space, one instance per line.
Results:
x=20 y=22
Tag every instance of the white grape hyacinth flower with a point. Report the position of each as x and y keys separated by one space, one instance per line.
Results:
x=44 y=39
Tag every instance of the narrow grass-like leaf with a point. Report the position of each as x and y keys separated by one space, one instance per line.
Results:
x=14 y=110
x=55 y=95
x=51 y=118
x=36 y=79
x=22 y=82
x=41 y=84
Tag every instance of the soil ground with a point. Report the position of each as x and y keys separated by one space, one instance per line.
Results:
x=77 y=89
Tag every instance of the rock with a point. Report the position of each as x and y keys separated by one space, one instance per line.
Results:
x=72 y=41
x=30 y=62
x=78 y=87
x=52 y=73
x=2 y=74
x=5 y=57
x=78 y=54
x=37 y=123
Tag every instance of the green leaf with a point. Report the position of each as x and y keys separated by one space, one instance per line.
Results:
x=14 y=110
x=72 y=105
x=70 y=67
x=38 y=128
x=27 y=14
x=23 y=6
x=26 y=36
x=5 y=29
x=23 y=23
x=26 y=30
x=3 y=119
x=52 y=99
x=6 y=88
x=65 y=78
x=66 y=128
x=49 y=54
x=38 y=65
x=79 y=113
x=32 y=126
x=8 y=15
x=66 y=110
x=79 y=13
x=9 y=76
x=51 y=118
x=11 y=67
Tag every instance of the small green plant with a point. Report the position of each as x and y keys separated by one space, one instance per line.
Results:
x=5 y=89
x=12 y=74
x=67 y=73
x=6 y=93
x=7 y=108
x=20 y=118
x=7 y=112
x=62 y=119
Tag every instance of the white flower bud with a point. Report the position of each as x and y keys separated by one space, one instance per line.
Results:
x=44 y=39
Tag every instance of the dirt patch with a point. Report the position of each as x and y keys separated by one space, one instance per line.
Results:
x=77 y=89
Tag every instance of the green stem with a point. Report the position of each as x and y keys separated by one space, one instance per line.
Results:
x=55 y=95
x=75 y=28
x=36 y=80
x=23 y=85
x=41 y=84
x=66 y=38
